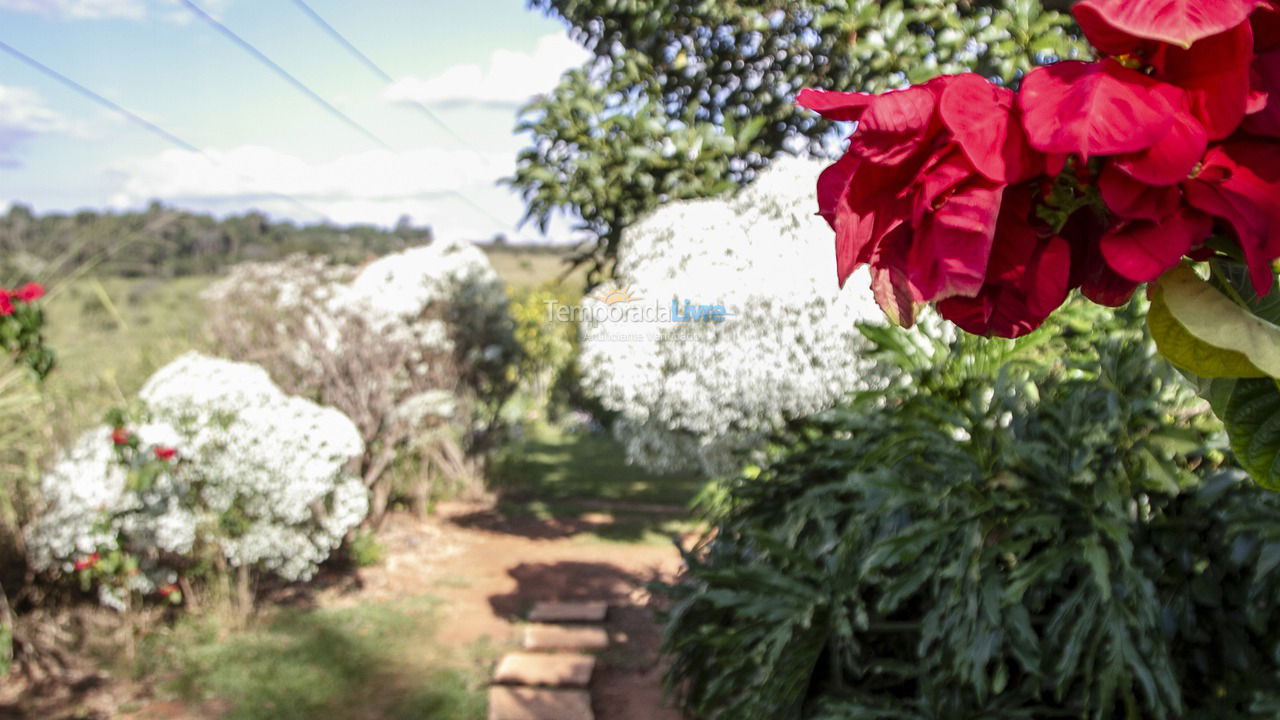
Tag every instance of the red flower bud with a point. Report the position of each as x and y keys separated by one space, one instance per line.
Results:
x=85 y=563
x=165 y=454
x=29 y=292
x=120 y=436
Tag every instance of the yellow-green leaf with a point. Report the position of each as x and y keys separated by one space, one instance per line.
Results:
x=1214 y=319
x=1189 y=352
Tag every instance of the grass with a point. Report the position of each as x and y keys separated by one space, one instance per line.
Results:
x=373 y=661
x=110 y=334
x=531 y=269
x=551 y=464
x=553 y=474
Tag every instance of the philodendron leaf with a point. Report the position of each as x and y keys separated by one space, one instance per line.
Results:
x=1250 y=410
x=1214 y=319
x=1191 y=353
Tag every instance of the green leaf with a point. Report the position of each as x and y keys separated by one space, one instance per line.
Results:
x=1189 y=352
x=1250 y=410
x=1215 y=320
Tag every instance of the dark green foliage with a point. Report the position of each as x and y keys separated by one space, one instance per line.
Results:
x=689 y=98
x=167 y=242
x=1017 y=531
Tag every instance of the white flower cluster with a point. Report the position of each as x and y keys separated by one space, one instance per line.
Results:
x=693 y=392
x=419 y=300
x=263 y=479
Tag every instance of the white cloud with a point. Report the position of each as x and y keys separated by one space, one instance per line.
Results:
x=80 y=9
x=23 y=116
x=170 y=10
x=509 y=78
x=376 y=187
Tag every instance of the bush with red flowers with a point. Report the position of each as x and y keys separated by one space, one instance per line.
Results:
x=21 y=321
x=1157 y=163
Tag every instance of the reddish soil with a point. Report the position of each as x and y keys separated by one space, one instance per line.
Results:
x=490 y=570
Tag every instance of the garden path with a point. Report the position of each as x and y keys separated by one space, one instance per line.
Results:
x=491 y=569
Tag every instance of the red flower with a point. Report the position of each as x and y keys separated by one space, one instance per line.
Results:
x=1204 y=47
x=6 y=303
x=1117 y=27
x=1091 y=109
x=29 y=292
x=1027 y=277
x=87 y=562
x=1240 y=185
x=120 y=436
x=165 y=454
x=917 y=194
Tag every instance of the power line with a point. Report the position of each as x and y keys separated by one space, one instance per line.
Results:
x=295 y=82
x=377 y=70
x=132 y=116
x=136 y=118
x=386 y=77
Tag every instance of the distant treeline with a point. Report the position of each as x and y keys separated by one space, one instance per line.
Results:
x=166 y=242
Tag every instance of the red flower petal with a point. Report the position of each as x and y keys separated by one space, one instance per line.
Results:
x=840 y=106
x=1265 y=21
x=1215 y=74
x=1089 y=271
x=980 y=116
x=1026 y=281
x=833 y=186
x=896 y=126
x=1099 y=108
x=1265 y=78
x=951 y=248
x=1109 y=24
x=889 y=284
x=29 y=292
x=1142 y=251
x=6 y=303
x=1134 y=200
x=864 y=213
x=1173 y=156
x=1240 y=183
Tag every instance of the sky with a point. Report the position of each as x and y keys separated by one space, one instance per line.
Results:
x=469 y=63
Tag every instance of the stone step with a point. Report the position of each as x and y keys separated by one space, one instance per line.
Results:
x=569 y=612
x=519 y=703
x=565 y=637
x=558 y=670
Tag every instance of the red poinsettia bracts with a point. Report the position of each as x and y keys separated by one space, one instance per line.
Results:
x=1097 y=175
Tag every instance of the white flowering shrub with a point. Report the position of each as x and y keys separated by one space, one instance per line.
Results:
x=215 y=464
x=698 y=393
x=414 y=347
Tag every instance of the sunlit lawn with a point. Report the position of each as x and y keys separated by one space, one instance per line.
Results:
x=375 y=661
x=553 y=473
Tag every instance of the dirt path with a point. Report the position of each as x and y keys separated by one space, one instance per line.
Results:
x=489 y=570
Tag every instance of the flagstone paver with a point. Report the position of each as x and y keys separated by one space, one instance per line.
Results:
x=569 y=612
x=552 y=669
x=520 y=703
x=565 y=637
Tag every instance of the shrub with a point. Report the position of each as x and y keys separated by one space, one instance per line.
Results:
x=548 y=346
x=415 y=348
x=697 y=394
x=1003 y=534
x=213 y=467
